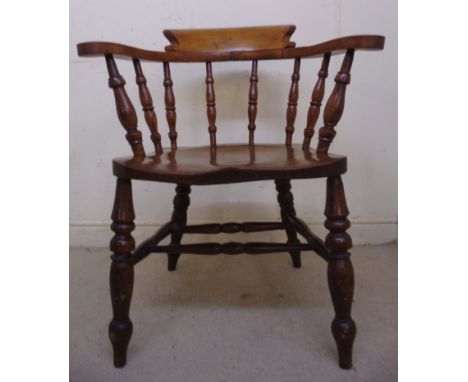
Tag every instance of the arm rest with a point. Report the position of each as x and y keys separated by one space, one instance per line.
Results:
x=362 y=42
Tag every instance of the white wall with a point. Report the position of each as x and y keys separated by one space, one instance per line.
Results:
x=367 y=132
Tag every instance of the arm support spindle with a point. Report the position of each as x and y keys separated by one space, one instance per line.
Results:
x=147 y=104
x=125 y=110
x=253 y=95
x=335 y=104
x=169 y=101
x=292 y=102
x=210 y=104
x=316 y=102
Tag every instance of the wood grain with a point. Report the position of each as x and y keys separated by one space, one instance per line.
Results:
x=291 y=111
x=125 y=110
x=232 y=248
x=335 y=104
x=232 y=163
x=286 y=202
x=232 y=227
x=169 y=101
x=210 y=104
x=147 y=104
x=336 y=46
x=179 y=221
x=121 y=272
x=316 y=102
x=228 y=39
x=340 y=270
x=253 y=95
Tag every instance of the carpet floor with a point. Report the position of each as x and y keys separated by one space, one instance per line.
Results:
x=234 y=318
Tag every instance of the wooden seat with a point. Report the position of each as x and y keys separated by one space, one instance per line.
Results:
x=229 y=163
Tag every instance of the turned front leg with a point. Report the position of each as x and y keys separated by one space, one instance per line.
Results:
x=340 y=270
x=179 y=221
x=121 y=272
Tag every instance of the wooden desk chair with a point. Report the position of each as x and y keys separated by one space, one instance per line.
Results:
x=216 y=164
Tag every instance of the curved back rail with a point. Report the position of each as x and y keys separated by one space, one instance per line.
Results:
x=245 y=44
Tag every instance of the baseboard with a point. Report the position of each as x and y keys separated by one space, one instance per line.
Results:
x=363 y=233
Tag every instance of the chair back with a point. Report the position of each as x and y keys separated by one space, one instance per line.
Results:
x=232 y=44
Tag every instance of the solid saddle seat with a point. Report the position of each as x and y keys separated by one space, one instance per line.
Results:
x=230 y=163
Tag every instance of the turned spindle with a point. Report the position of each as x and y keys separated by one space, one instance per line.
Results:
x=169 y=101
x=253 y=95
x=340 y=269
x=210 y=104
x=147 y=104
x=316 y=102
x=121 y=272
x=291 y=111
x=335 y=104
x=125 y=110
x=233 y=227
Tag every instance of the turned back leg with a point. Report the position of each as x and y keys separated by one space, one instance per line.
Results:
x=179 y=221
x=121 y=272
x=340 y=270
x=286 y=202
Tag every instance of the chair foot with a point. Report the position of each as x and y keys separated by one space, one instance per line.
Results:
x=296 y=259
x=344 y=332
x=172 y=259
x=340 y=270
x=341 y=285
x=120 y=333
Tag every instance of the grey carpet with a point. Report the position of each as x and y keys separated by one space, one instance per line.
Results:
x=234 y=318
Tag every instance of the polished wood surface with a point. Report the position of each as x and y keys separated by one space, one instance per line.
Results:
x=233 y=248
x=232 y=227
x=228 y=39
x=125 y=110
x=121 y=272
x=291 y=111
x=286 y=202
x=253 y=96
x=316 y=102
x=147 y=105
x=335 y=104
x=336 y=46
x=232 y=163
x=210 y=104
x=340 y=269
x=179 y=222
x=169 y=101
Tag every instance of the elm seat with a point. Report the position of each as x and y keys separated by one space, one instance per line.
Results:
x=230 y=163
